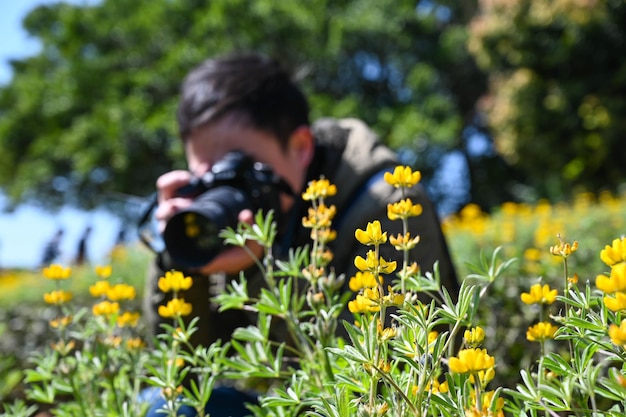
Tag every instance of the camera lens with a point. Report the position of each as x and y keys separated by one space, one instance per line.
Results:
x=192 y=235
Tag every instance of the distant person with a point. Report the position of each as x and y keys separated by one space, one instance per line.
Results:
x=81 y=254
x=52 y=250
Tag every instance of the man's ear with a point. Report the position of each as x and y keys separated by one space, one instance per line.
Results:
x=302 y=145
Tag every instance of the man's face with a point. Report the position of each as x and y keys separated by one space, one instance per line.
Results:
x=208 y=144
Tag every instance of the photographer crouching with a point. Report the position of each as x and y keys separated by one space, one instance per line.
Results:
x=249 y=145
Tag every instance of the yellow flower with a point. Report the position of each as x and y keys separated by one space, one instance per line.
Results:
x=532 y=255
x=392 y=298
x=615 y=253
x=323 y=235
x=366 y=303
x=486 y=399
x=541 y=331
x=175 y=308
x=61 y=322
x=130 y=319
x=362 y=280
x=618 y=333
x=403 y=209
x=57 y=297
x=319 y=217
x=484 y=377
x=321 y=188
x=121 y=292
x=372 y=235
x=539 y=295
x=99 y=289
x=57 y=272
x=374 y=265
x=105 y=308
x=434 y=388
x=386 y=333
x=616 y=303
x=103 y=272
x=474 y=336
x=615 y=282
x=135 y=343
x=403 y=176
x=471 y=360
x=174 y=281
x=402 y=242
x=564 y=249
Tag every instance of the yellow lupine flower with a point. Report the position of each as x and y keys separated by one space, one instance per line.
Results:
x=374 y=265
x=174 y=281
x=471 y=360
x=403 y=176
x=615 y=253
x=564 y=249
x=324 y=235
x=57 y=272
x=615 y=303
x=320 y=216
x=135 y=343
x=484 y=377
x=615 y=282
x=175 y=308
x=486 y=400
x=61 y=322
x=105 y=308
x=402 y=242
x=366 y=303
x=121 y=292
x=372 y=235
x=127 y=318
x=362 y=280
x=618 y=333
x=541 y=331
x=539 y=294
x=393 y=298
x=403 y=209
x=474 y=336
x=103 y=271
x=99 y=289
x=321 y=188
x=434 y=388
x=57 y=297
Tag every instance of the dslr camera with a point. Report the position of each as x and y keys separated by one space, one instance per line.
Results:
x=236 y=182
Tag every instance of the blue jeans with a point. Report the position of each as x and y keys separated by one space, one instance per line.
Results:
x=224 y=402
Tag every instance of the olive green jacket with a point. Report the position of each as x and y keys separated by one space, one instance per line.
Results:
x=350 y=156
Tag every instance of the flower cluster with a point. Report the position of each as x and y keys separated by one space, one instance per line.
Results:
x=613 y=286
x=175 y=282
x=479 y=366
x=319 y=220
x=110 y=296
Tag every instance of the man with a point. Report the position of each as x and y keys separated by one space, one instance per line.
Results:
x=248 y=103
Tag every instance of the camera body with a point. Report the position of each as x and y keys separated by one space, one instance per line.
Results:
x=236 y=182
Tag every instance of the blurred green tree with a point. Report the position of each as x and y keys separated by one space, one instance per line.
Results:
x=557 y=87
x=93 y=113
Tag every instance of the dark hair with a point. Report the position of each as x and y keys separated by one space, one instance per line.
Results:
x=251 y=86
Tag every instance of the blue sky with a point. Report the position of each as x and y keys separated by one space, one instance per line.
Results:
x=24 y=232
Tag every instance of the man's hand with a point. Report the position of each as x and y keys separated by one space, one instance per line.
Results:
x=232 y=259
x=169 y=203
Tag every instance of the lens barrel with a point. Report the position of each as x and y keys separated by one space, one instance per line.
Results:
x=192 y=235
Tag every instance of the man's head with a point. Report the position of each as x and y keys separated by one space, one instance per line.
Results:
x=246 y=102
x=255 y=89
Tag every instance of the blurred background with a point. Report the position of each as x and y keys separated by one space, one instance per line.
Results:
x=494 y=101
